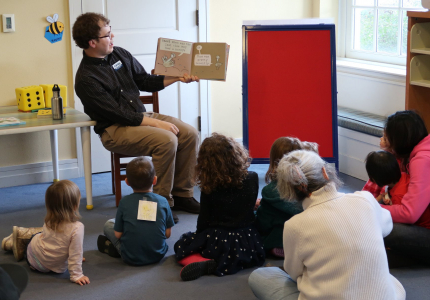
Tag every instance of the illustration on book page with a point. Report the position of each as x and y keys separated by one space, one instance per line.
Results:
x=209 y=60
x=174 y=56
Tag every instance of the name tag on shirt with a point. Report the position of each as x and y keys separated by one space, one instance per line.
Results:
x=117 y=65
x=147 y=210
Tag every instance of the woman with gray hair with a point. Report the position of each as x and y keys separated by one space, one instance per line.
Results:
x=334 y=249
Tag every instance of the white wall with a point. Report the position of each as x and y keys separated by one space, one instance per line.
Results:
x=382 y=96
x=360 y=90
x=225 y=25
x=373 y=92
x=27 y=58
x=368 y=91
x=371 y=87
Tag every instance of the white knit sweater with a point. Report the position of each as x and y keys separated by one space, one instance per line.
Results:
x=335 y=249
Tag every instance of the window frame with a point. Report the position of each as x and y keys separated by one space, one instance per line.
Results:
x=346 y=35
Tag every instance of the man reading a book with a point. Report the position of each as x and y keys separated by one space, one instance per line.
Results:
x=108 y=82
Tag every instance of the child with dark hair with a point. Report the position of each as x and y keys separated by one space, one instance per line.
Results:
x=274 y=211
x=383 y=169
x=143 y=220
x=370 y=185
x=226 y=240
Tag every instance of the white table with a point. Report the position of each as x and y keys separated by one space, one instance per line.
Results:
x=73 y=119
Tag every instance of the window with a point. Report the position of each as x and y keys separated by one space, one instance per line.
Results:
x=376 y=30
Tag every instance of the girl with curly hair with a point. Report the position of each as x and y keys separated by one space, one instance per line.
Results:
x=226 y=240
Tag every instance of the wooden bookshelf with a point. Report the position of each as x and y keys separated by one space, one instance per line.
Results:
x=418 y=64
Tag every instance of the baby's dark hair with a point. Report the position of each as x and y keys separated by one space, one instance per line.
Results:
x=140 y=173
x=382 y=168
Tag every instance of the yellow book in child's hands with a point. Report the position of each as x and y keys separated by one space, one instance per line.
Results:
x=204 y=60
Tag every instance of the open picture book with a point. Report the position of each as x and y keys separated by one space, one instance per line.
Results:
x=204 y=60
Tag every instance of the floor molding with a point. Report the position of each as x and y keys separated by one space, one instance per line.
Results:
x=37 y=173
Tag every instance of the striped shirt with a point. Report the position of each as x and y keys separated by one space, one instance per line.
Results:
x=109 y=88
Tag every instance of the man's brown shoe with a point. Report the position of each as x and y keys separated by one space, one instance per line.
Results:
x=188 y=204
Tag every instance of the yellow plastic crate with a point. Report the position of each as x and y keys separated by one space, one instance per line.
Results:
x=47 y=92
x=30 y=98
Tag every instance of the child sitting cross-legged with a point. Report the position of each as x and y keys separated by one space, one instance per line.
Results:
x=383 y=169
x=226 y=240
x=143 y=220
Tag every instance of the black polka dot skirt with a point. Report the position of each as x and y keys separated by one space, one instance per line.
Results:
x=232 y=249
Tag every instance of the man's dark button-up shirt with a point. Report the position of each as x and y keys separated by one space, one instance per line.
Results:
x=109 y=88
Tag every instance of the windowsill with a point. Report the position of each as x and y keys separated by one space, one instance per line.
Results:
x=371 y=69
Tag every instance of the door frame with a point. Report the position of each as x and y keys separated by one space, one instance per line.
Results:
x=75 y=9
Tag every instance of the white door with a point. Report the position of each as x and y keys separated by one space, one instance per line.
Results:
x=137 y=25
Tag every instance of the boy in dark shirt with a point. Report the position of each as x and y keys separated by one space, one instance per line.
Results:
x=143 y=221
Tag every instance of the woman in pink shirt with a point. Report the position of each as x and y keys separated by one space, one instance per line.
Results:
x=58 y=245
x=408 y=137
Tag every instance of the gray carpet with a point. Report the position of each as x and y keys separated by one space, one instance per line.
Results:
x=112 y=279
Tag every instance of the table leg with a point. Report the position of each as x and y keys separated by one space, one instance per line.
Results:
x=54 y=151
x=86 y=152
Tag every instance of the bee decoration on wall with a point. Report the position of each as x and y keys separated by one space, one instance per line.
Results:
x=56 y=27
x=54 y=32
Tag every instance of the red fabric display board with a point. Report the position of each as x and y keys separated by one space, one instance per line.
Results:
x=290 y=87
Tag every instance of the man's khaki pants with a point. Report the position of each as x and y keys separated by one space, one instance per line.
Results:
x=174 y=157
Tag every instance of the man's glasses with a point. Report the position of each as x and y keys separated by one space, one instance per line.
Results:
x=108 y=35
